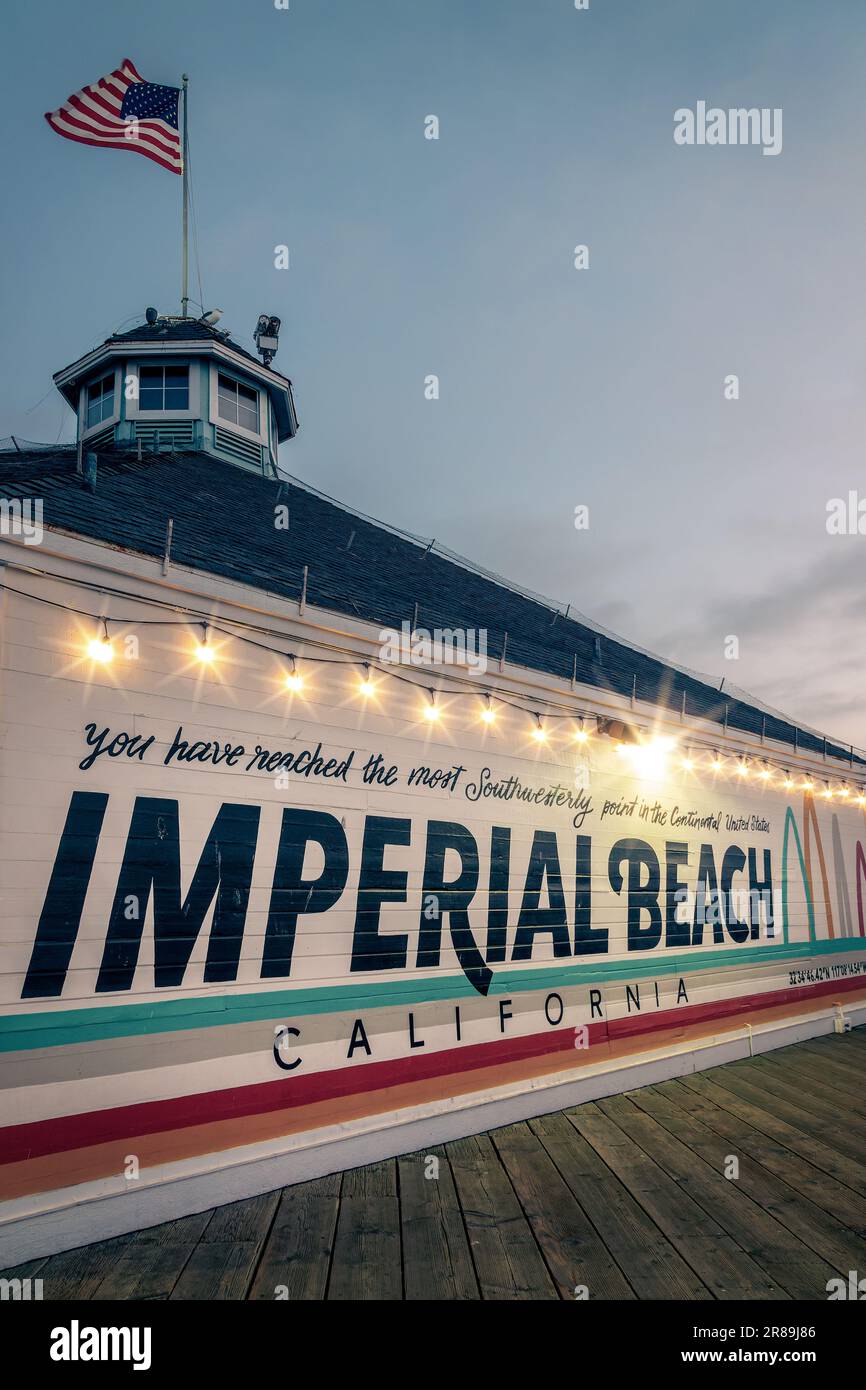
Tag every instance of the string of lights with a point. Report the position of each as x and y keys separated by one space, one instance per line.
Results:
x=649 y=754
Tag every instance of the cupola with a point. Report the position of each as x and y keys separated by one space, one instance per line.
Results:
x=182 y=384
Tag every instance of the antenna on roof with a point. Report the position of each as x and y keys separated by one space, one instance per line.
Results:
x=267 y=336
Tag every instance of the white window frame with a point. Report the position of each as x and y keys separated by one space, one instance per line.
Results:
x=133 y=409
x=217 y=369
x=85 y=431
x=273 y=443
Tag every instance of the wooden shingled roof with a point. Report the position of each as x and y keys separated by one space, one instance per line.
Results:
x=223 y=523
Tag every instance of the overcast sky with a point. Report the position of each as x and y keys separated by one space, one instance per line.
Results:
x=601 y=387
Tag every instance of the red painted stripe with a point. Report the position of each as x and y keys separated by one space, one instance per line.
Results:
x=64 y=1132
x=728 y=1008
x=99 y=1126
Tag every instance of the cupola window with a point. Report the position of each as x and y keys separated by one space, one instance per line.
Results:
x=163 y=388
x=238 y=403
x=100 y=400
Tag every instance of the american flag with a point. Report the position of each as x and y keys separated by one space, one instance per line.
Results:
x=123 y=112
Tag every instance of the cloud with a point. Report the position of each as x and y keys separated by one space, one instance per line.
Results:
x=802 y=639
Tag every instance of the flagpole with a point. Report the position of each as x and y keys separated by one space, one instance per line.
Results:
x=184 y=292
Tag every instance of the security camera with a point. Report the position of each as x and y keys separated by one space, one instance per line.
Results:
x=267 y=337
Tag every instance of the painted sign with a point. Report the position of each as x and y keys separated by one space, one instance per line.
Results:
x=238 y=927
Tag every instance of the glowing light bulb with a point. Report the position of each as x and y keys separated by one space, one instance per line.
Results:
x=431 y=712
x=827 y=793
x=539 y=733
x=581 y=736
x=742 y=770
x=765 y=774
x=807 y=785
x=100 y=650
x=843 y=791
x=716 y=764
x=294 y=681
x=488 y=715
x=366 y=687
x=688 y=765
x=202 y=652
x=861 y=800
x=789 y=782
x=648 y=760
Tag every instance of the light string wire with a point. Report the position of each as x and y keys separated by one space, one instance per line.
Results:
x=552 y=710
x=198 y=616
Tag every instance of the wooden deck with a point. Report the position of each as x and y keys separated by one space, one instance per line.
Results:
x=627 y=1197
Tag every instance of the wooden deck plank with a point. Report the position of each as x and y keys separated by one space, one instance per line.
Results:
x=367 y=1248
x=848 y=1072
x=809 y=1071
x=78 y=1273
x=813 y=1182
x=223 y=1262
x=843 y=1086
x=29 y=1270
x=846 y=1170
x=845 y=1048
x=652 y=1265
x=849 y=1048
x=818 y=1229
x=785 y=1259
x=296 y=1259
x=717 y=1260
x=847 y=1040
x=437 y=1260
x=152 y=1261
x=809 y=1095
x=508 y=1262
x=836 y=1134
x=573 y=1250
x=835 y=1054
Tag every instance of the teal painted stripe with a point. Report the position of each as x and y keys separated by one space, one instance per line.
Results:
x=61 y=1027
